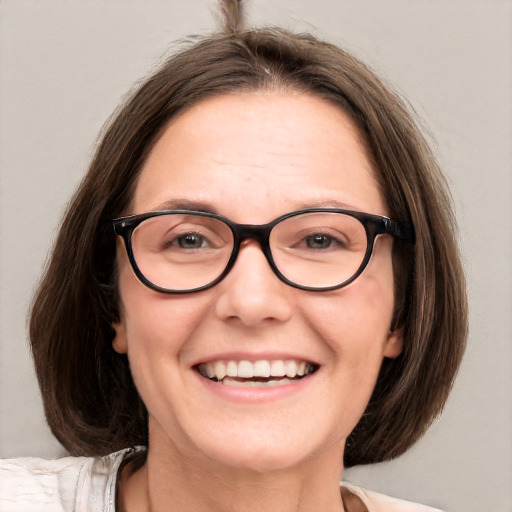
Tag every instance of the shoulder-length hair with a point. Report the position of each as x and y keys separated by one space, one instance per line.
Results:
x=91 y=403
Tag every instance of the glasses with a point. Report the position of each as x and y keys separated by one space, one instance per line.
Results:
x=315 y=249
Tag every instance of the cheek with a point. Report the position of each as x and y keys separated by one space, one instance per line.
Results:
x=157 y=328
x=155 y=323
x=355 y=321
x=359 y=315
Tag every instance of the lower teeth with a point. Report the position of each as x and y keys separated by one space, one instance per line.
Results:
x=228 y=381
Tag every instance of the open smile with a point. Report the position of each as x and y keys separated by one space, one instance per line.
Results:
x=260 y=373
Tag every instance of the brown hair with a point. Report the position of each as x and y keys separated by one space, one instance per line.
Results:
x=90 y=400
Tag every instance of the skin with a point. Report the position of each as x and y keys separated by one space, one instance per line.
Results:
x=252 y=157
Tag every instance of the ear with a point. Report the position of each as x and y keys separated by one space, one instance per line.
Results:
x=119 y=343
x=394 y=344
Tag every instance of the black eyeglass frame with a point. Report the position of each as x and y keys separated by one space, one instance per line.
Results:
x=374 y=225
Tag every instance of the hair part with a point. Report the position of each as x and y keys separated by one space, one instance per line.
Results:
x=91 y=403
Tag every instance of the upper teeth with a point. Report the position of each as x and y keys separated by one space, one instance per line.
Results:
x=262 y=368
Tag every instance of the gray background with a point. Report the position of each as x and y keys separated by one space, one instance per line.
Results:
x=64 y=66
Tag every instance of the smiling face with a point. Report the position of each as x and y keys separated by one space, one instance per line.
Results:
x=315 y=355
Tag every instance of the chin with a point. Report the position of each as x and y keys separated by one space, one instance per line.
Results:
x=265 y=451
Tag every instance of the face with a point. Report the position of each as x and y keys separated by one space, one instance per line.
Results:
x=252 y=157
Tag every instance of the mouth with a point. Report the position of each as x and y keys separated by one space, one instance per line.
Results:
x=261 y=373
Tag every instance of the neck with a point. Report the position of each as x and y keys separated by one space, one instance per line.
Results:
x=170 y=482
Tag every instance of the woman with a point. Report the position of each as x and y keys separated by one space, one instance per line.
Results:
x=257 y=279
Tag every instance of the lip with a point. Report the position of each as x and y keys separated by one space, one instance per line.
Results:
x=255 y=395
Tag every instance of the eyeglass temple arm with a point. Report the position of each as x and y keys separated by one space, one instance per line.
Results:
x=399 y=230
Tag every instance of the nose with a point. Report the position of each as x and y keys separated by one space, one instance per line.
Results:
x=251 y=293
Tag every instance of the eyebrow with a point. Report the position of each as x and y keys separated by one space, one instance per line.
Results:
x=186 y=204
x=329 y=203
x=203 y=206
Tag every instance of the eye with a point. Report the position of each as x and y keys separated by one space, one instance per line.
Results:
x=190 y=241
x=320 y=241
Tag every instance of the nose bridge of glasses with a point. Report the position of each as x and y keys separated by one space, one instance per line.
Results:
x=259 y=233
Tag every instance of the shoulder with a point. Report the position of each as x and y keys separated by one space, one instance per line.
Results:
x=60 y=485
x=38 y=484
x=377 y=502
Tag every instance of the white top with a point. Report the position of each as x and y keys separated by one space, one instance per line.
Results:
x=85 y=484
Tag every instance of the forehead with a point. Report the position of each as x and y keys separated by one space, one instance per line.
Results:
x=285 y=149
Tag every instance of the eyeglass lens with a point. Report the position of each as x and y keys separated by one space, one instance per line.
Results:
x=187 y=251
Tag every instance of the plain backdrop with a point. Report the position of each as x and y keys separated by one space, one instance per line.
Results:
x=65 y=65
